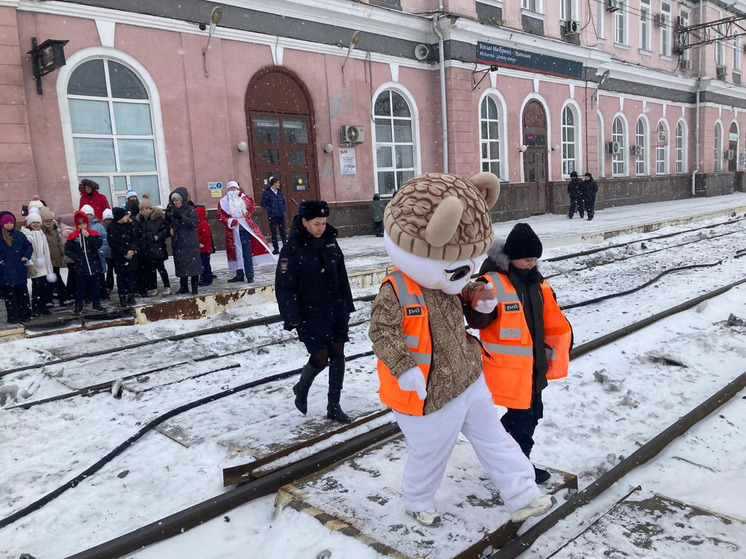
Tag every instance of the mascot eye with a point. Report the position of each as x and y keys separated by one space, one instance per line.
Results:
x=458 y=273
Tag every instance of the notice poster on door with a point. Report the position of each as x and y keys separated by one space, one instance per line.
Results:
x=347 y=161
x=216 y=189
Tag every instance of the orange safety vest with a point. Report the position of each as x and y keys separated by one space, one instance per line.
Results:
x=508 y=369
x=418 y=339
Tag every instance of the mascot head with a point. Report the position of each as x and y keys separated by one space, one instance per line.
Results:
x=438 y=227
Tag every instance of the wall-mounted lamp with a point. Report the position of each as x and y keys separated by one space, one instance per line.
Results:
x=45 y=58
x=523 y=148
x=216 y=17
x=242 y=146
x=328 y=148
x=356 y=36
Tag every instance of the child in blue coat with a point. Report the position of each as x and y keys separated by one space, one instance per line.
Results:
x=15 y=252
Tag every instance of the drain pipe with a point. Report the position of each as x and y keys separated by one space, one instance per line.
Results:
x=443 y=108
x=699 y=86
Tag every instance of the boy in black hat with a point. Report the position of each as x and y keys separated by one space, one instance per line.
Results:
x=526 y=334
x=123 y=242
x=575 y=190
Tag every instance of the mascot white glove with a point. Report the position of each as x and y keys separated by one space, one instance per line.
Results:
x=487 y=306
x=483 y=298
x=414 y=380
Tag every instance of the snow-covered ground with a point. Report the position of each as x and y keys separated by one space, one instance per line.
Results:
x=614 y=400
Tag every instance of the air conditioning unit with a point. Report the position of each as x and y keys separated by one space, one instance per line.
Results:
x=612 y=5
x=662 y=136
x=685 y=64
x=660 y=19
x=613 y=148
x=637 y=151
x=721 y=72
x=572 y=27
x=730 y=154
x=351 y=134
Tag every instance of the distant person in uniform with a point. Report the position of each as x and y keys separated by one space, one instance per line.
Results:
x=273 y=203
x=376 y=212
x=591 y=189
x=315 y=299
x=575 y=190
x=527 y=336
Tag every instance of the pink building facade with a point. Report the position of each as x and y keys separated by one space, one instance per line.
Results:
x=153 y=97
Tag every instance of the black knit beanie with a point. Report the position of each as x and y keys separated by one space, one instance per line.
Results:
x=522 y=242
x=118 y=213
x=311 y=209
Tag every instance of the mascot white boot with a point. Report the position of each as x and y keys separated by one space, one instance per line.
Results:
x=437 y=229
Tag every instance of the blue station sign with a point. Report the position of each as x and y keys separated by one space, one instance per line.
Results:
x=523 y=60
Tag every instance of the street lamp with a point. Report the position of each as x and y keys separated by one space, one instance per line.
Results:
x=46 y=58
x=216 y=17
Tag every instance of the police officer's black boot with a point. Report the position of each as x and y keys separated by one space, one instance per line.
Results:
x=304 y=385
x=336 y=379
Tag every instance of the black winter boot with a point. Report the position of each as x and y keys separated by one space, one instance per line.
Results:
x=195 y=283
x=122 y=300
x=184 y=286
x=336 y=380
x=304 y=385
x=131 y=299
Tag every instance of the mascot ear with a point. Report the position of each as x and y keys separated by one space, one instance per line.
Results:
x=444 y=222
x=489 y=185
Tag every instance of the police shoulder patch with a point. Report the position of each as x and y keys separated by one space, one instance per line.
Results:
x=284 y=265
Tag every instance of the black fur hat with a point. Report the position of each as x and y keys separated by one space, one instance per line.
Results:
x=311 y=209
x=522 y=242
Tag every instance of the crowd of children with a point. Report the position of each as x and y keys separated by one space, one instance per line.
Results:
x=97 y=244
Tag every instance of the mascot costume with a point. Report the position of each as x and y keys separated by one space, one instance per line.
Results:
x=437 y=229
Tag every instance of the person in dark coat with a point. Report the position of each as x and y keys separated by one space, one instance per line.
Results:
x=15 y=253
x=152 y=251
x=123 y=242
x=575 y=190
x=315 y=298
x=590 y=190
x=376 y=212
x=182 y=219
x=273 y=203
x=82 y=247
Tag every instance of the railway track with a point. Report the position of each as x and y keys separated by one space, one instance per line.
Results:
x=274 y=319
x=270 y=481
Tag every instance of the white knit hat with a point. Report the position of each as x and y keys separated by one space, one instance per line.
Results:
x=33 y=217
x=87 y=209
x=232 y=184
x=107 y=214
x=129 y=194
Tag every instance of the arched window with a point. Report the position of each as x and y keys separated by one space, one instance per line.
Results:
x=489 y=136
x=569 y=141
x=661 y=149
x=718 y=147
x=641 y=147
x=112 y=130
x=619 y=135
x=395 y=157
x=681 y=147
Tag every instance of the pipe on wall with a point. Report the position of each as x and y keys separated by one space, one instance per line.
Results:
x=443 y=107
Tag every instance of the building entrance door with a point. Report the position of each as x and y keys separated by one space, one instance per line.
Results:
x=281 y=133
x=535 y=165
x=733 y=148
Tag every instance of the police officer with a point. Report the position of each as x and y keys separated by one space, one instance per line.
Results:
x=575 y=190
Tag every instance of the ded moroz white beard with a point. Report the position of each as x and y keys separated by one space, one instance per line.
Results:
x=236 y=205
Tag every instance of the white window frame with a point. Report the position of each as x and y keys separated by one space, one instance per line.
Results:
x=621 y=25
x=684 y=14
x=574 y=145
x=63 y=79
x=415 y=123
x=737 y=55
x=645 y=25
x=495 y=96
x=717 y=139
x=661 y=152
x=601 y=153
x=641 y=139
x=619 y=162
x=600 y=17
x=681 y=146
x=666 y=34
x=535 y=6
x=568 y=10
x=719 y=47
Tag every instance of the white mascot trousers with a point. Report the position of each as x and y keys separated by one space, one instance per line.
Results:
x=431 y=438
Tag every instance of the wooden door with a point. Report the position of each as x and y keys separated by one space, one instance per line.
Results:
x=535 y=161
x=280 y=121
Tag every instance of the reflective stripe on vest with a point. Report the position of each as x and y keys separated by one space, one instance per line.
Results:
x=509 y=371
x=416 y=330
